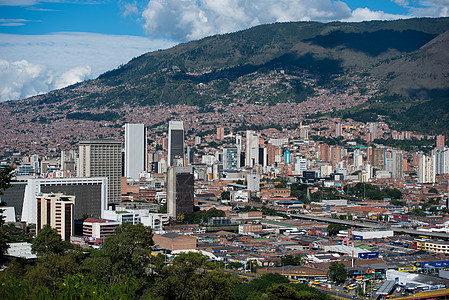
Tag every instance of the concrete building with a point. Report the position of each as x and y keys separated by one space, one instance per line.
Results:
x=230 y=158
x=338 y=130
x=180 y=190
x=175 y=143
x=373 y=130
x=252 y=149
x=174 y=241
x=57 y=211
x=426 y=169
x=135 y=150
x=395 y=164
x=91 y=195
x=253 y=182
x=98 y=229
x=102 y=158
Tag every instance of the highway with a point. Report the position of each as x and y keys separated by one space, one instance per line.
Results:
x=384 y=226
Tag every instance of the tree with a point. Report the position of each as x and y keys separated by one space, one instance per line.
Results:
x=192 y=276
x=48 y=240
x=283 y=291
x=291 y=260
x=333 y=229
x=226 y=195
x=337 y=272
x=130 y=248
x=5 y=179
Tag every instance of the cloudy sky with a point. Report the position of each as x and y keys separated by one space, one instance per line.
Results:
x=49 y=44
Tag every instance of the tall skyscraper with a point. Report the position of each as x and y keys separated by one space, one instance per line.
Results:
x=230 y=158
x=135 y=150
x=441 y=160
x=220 y=133
x=324 y=153
x=377 y=158
x=426 y=169
x=252 y=148
x=56 y=210
x=175 y=143
x=373 y=130
x=338 y=130
x=102 y=158
x=180 y=190
x=395 y=164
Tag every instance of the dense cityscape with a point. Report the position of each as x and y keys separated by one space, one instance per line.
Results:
x=179 y=150
x=296 y=200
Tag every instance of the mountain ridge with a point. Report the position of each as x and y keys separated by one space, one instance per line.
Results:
x=305 y=56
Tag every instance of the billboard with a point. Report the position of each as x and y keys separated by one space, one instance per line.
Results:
x=368 y=255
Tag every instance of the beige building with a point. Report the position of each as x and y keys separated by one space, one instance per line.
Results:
x=102 y=158
x=57 y=211
x=175 y=241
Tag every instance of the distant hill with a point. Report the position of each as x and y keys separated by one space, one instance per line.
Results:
x=408 y=57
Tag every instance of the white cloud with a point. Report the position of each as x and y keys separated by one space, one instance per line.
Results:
x=72 y=76
x=403 y=3
x=34 y=64
x=193 y=19
x=22 y=79
x=431 y=8
x=365 y=14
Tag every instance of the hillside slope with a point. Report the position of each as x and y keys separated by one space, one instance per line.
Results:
x=321 y=51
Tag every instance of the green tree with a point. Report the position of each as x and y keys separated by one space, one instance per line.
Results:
x=130 y=248
x=417 y=212
x=337 y=272
x=283 y=291
x=48 y=240
x=192 y=276
x=333 y=229
x=225 y=195
x=5 y=182
x=292 y=260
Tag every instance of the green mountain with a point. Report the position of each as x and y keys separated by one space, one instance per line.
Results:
x=408 y=57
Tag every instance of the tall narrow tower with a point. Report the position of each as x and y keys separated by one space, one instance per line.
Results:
x=176 y=143
x=102 y=158
x=135 y=150
x=252 y=148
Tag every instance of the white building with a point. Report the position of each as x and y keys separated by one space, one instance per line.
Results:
x=252 y=148
x=91 y=195
x=135 y=150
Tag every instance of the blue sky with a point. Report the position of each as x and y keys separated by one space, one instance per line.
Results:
x=50 y=44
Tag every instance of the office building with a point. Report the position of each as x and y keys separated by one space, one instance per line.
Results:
x=90 y=193
x=377 y=158
x=176 y=143
x=300 y=165
x=180 y=190
x=56 y=210
x=338 y=130
x=426 y=169
x=220 y=133
x=373 y=130
x=230 y=158
x=35 y=163
x=253 y=181
x=324 y=153
x=102 y=158
x=441 y=160
x=395 y=164
x=252 y=148
x=68 y=160
x=135 y=150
